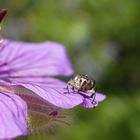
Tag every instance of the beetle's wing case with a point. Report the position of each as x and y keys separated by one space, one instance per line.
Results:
x=76 y=78
x=85 y=76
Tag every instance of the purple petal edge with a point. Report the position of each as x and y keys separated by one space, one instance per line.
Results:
x=100 y=97
x=52 y=90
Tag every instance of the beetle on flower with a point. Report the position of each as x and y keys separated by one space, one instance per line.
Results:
x=32 y=66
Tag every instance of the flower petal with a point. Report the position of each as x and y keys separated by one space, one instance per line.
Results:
x=41 y=114
x=53 y=90
x=100 y=97
x=87 y=102
x=13 y=116
x=21 y=60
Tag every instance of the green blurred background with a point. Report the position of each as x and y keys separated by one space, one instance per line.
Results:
x=102 y=38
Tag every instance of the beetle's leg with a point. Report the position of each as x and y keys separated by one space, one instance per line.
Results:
x=93 y=99
x=72 y=88
x=68 y=90
x=92 y=92
x=93 y=95
x=78 y=90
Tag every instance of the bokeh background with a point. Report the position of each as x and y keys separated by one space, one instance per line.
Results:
x=102 y=38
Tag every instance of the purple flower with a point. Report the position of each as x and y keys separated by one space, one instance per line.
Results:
x=33 y=66
x=30 y=65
